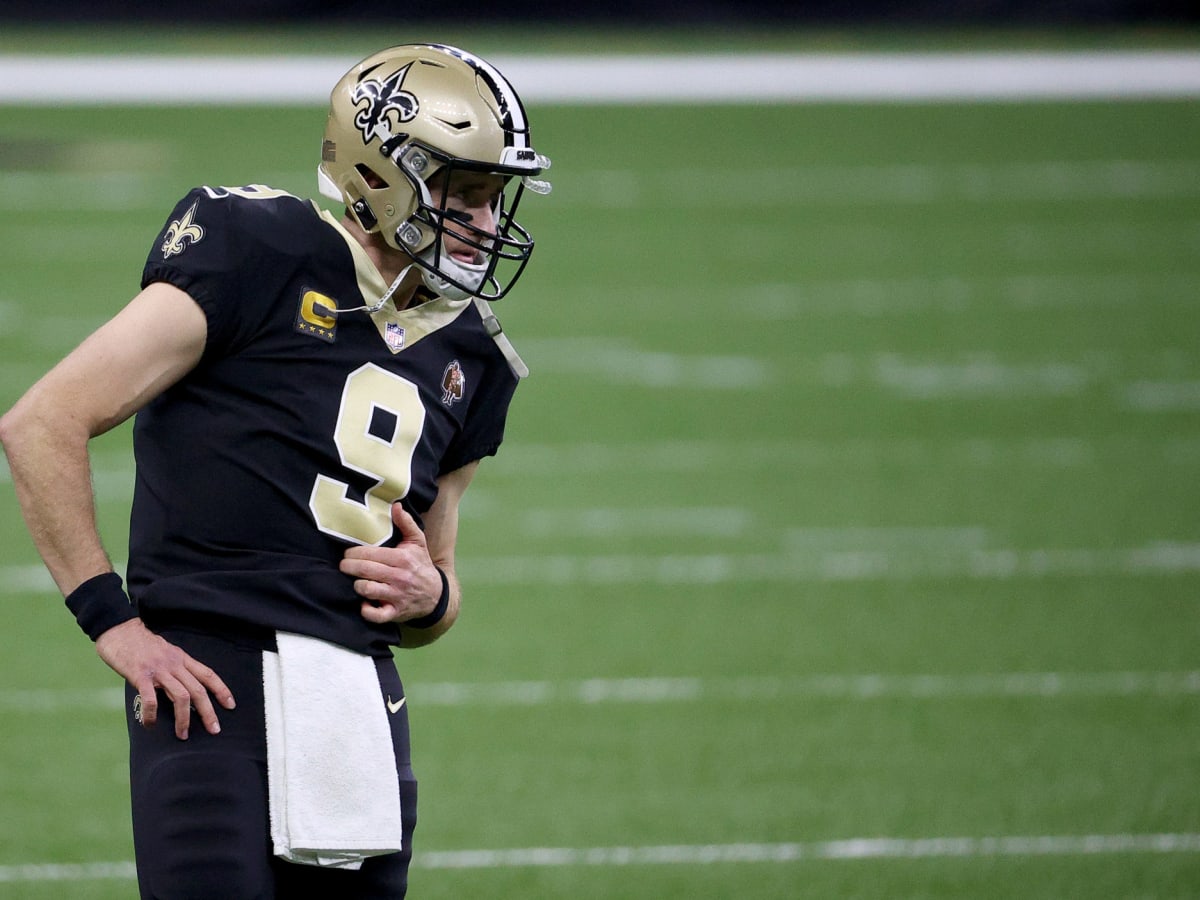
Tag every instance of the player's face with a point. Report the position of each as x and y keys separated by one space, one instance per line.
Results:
x=470 y=197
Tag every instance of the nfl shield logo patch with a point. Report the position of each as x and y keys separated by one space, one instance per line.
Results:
x=394 y=336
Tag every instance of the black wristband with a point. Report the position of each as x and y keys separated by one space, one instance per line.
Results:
x=100 y=603
x=439 y=611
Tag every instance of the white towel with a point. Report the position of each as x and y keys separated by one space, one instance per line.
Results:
x=331 y=769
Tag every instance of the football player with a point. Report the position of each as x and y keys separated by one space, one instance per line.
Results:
x=313 y=394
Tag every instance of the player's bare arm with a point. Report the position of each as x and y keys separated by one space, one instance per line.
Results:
x=402 y=583
x=145 y=348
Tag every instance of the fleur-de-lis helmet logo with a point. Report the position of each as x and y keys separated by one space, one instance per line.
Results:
x=181 y=234
x=384 y=98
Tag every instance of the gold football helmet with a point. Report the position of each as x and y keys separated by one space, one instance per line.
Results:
x=407 y=114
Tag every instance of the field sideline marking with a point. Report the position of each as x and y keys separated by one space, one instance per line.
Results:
x=113 y=471
x=850 y=849
x=685 y=689
x=801 y=562
x=140 y=185
x=827 y=565
x=633 y=78
x=713 y=854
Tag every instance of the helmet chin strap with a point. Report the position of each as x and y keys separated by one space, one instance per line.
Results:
x=387 y=295
x=323 y=310
x=465 y=273
x=469 y=274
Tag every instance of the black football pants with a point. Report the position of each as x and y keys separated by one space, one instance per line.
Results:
x=201 y=825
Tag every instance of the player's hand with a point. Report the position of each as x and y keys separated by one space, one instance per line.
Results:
x=149 y=662
x=396 y=583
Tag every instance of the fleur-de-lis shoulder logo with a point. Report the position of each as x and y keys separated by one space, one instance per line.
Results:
x=182 y=233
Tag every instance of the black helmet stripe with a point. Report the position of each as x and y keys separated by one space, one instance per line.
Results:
x=516 y=128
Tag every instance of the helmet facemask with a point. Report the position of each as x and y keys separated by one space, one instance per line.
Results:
x=499 y=255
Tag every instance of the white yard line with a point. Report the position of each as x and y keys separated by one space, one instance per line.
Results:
x=634 y=78
x=895 y=184
x=742 y=689
x=851 y=849
x=798 y=561
x=831 y=565
x=581 y=458
x=113 y=470
x=594 y=691
x=950 y=294
x=857 y=186
x=38 y=872
x=716 y=854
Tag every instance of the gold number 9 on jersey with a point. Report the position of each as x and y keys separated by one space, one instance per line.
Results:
x=379 y=423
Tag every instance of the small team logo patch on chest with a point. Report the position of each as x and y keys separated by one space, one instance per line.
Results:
x=454 y=383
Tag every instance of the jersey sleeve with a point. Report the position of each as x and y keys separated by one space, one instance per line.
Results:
x=209 y=248
x=483 y=429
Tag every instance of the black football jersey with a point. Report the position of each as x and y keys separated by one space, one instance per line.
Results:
x=303 y=422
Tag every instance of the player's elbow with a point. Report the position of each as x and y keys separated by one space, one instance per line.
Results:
x=26 y=427
x=11 y=428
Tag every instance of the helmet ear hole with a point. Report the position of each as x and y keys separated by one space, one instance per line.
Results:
x=373 y=179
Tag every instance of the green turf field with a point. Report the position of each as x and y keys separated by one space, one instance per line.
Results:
x=855 y=495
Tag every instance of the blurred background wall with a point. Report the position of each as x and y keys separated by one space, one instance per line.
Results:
x=619 y=12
